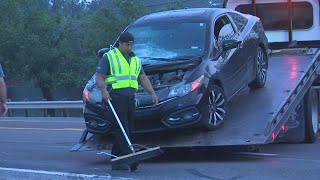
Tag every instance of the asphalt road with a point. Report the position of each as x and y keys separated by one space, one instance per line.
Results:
x=38 y=148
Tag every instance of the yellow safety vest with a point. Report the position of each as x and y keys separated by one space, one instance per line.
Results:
x=123 y=74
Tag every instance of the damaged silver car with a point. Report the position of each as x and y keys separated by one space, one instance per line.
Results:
x=196 y=60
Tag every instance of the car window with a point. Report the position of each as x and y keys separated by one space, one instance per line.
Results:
x=239 y=20
x=223 y=29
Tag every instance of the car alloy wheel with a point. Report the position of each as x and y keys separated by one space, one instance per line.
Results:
x=217 y=108
x=261 y=65
x=261 y=70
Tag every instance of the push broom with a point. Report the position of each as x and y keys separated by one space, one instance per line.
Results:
x=134 y=156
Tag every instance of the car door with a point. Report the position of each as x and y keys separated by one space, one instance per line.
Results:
x=248 y=44
x=232 y=66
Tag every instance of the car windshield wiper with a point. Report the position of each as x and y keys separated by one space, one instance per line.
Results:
x=157 y=58
x=181 y=58
x=186 y=57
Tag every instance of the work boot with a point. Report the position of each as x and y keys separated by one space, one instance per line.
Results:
x=134 y=166
x=122 y=167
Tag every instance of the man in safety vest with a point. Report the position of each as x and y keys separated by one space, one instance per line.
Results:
x=3 y=94
x=120 y=68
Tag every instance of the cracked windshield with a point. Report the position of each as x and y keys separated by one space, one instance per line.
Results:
x=160 y=42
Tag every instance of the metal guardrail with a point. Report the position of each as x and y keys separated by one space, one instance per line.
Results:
x=45 y=105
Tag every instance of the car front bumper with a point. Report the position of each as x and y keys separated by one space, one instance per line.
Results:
x=179 y=112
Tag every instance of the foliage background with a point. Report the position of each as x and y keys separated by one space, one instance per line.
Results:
x=49 y=44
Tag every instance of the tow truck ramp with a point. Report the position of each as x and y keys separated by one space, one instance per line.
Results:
x=255 y=117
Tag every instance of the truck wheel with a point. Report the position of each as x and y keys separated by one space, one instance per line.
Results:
x=261 y=69
x=216 y=108
x=311 y=102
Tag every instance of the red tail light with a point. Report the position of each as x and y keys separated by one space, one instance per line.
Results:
x=86 y=95
x=273 y=135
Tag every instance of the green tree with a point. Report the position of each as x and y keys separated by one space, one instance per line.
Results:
x=130 y=10
x=53 y=43
x=42 y=46
x=173 y=5
x=110 y=19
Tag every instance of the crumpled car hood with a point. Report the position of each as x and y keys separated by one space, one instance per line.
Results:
x=162 y=77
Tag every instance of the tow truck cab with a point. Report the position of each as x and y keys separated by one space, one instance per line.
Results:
x=283 y=20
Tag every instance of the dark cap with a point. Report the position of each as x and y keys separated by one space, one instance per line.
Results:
x=126 y=37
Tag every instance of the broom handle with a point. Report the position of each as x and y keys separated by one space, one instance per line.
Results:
x=121 y=127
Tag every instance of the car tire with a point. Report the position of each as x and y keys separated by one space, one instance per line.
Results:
x=311 y=104
x=261 y=69
x=216 y=108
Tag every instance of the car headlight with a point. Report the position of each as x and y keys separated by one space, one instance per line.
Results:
x=94 y=96
x=183 y=88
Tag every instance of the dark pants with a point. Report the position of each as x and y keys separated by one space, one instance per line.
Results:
x=125 y=108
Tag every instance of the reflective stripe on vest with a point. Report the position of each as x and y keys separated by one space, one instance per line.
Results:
x=123 y=74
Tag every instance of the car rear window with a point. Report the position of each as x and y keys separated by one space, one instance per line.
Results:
x=274 y=16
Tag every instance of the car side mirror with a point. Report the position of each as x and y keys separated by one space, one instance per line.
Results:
x=102 y=51
x=230 y=44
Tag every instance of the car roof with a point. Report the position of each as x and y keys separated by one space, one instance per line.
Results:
x=191 y=14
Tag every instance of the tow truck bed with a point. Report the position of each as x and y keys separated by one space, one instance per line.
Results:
x=253 y=115
x=250 y=112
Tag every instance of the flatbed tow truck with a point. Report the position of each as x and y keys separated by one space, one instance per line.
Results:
x=287 y=105
x=285 y=110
